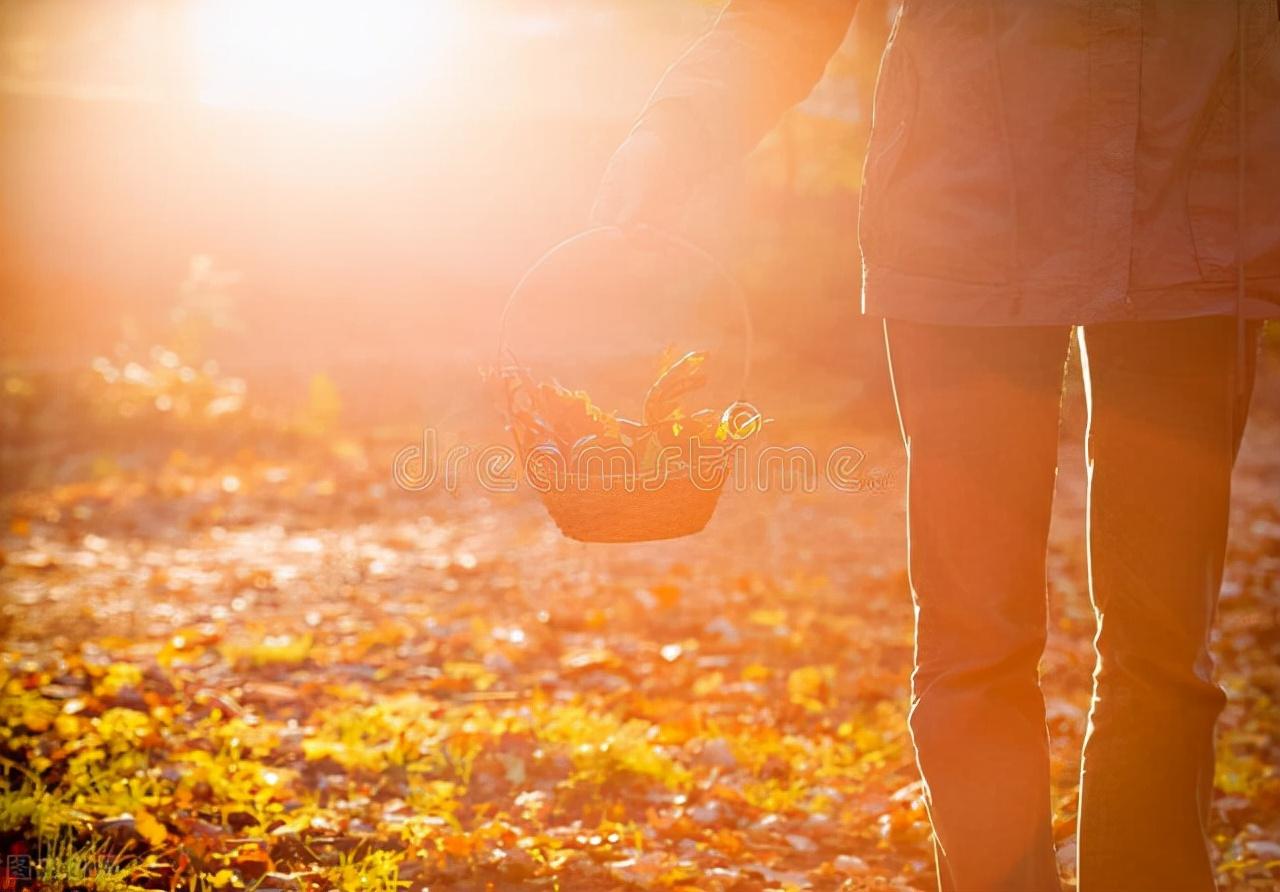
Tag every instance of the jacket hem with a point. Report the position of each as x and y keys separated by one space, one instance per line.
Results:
x=893 y=294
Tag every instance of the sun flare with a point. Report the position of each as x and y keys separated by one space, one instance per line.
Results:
x=332 y=59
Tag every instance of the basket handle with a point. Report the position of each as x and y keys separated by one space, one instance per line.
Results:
x=634 y=235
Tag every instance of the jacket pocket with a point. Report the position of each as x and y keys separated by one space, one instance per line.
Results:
x=938 y=182
x=1211 y=186
x=892 y=118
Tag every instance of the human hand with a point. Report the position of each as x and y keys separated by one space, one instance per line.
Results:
x=640 y=184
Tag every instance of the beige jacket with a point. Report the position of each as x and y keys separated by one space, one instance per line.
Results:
x=1031 y=161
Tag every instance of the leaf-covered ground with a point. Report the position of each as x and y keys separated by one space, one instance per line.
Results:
x=257 y=672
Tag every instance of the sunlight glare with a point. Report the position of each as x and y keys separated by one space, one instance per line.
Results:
x=338 y=59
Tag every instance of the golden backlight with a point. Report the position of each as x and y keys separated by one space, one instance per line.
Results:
x=385 y=506
x=335 y=59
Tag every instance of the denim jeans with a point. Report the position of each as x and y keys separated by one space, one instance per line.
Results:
x=978 y=407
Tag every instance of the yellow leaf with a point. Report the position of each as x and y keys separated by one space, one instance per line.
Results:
x=765 y=617
x=224 y=878
x=708 y=684
x=810 y=686
x=149 y=828
x=67 y=726
x=36 y=721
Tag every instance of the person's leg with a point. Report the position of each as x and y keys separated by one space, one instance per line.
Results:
x=979 y=415
x=1164 y=427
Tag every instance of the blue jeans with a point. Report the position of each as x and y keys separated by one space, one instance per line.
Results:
x=979 y=414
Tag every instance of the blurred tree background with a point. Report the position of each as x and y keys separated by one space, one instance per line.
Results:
x=377 y=244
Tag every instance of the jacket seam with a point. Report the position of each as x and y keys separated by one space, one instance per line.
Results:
x=1014 y=274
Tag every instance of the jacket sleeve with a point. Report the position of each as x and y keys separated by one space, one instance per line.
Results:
x=729 y=88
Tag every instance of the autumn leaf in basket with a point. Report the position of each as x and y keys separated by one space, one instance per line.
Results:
x=677 y=380
x=517 y=395
x=572 y=411
x=546 y=414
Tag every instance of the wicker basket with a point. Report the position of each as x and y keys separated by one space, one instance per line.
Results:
x=600 y=509
x=620 y=508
